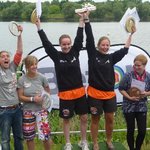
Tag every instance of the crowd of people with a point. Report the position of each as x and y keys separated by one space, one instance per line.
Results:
x=28 y=117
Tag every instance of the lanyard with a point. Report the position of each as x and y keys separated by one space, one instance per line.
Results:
x=139 y=77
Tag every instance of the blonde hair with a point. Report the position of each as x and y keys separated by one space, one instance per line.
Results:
x=29 y=61
x=142 y=58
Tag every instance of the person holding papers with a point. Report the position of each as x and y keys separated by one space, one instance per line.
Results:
x=135 y=87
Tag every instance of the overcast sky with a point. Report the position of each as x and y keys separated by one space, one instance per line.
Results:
x=50 y=0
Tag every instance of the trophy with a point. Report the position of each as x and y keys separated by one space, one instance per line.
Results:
x=86 y=7
x=129 y=24
x=134 y=91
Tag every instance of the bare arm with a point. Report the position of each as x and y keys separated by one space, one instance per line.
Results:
x=81 y=19
x=86 y=16
x=125 y=94
x=36 y=99
x=145 y=94
x=19 y=51
x=22 y=97
x=19 y=41
x=128 y=42
x=38 y=24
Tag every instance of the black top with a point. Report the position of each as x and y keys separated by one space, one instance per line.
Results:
x=67 y=65
x=101 y=66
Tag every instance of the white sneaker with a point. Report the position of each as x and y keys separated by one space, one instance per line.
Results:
x=83 y=145
x=68 y=146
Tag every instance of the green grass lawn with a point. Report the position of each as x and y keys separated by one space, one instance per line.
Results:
x=102 y=145
x=118 y=137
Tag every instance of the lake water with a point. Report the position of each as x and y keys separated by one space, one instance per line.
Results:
x=53 y=30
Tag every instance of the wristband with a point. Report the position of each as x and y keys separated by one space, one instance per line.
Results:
x=86 y=19
x=32 y=99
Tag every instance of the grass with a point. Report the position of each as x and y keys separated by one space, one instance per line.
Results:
x=58 y=139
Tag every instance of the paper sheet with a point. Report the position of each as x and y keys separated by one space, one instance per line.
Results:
x=138 y=84
x=39 y=8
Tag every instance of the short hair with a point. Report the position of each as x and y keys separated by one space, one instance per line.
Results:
x=142 y=58
x=3 y=51
x=64 y=36
x=29 y=61
x=101 y=39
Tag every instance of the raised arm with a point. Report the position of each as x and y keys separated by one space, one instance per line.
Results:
x=118 y=55
x=128 y=42
x=19 y=51
x=90 y=43
x=19 y=41
x=49 y=48
x=78 y=42
x=38 y=24
x=81 y=20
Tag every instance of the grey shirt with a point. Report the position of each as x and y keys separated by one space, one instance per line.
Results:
x=8 y=85
x=32 y=87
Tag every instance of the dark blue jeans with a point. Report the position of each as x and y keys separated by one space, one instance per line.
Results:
x=11 y=119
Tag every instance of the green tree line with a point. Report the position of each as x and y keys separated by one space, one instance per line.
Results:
x=64 y=10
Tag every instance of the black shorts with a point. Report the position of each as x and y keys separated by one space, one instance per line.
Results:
x=69 y=107
x=97 y=106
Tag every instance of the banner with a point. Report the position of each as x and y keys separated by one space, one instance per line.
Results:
x=46 y=67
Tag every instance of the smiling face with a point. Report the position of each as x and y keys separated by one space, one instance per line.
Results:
x=65 y=43
x=139 y=67
x=32 y=69
x=4 y=59
x=103 y=45
x=140 y=62
x=31 y=63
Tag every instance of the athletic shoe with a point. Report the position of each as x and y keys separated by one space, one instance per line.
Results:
x=68 y=146
x=83 y=145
